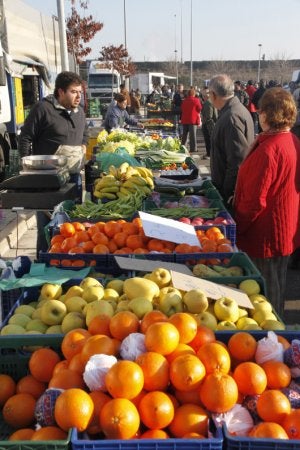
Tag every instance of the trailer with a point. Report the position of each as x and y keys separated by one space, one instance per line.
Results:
x=146 y=82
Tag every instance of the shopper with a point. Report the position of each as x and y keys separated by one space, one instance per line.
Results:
x=209 y=116
x=232 y=135
x=267 y=194
x=190 y=119
x=117 y=116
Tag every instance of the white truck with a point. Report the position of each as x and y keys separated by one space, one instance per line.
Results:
x=146 y=82
x=29 y=62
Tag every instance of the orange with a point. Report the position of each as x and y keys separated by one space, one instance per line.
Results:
x=189 y=418
x=100 y=225
x=7 y=388
x=291 y=424
x=111 y=228
x=152 y=317
x=273 y=406
x=63 y=364
x=155 y=245
x=67 y=229
x=134 y=241
x=154 y=434
x=242 y=346
x=250 y=378
x=99 y=238
x=286 y=344
x=124 y=379
x=99 y=399
x=187 y=372
x=56 y=248
x=213 y=233
x=99 y=325
x=218 y=392
x=278 y=374
x=99 y=343
x=75 y=250
x=120 y=239
x=76 y=364
x=82 y=236
x=269 y=430
x=93 y=229
x=156 y=410
x=123 y=323
x=66 y=379
x=18 y=410
x=78 y=226
x=57 y=239
x=193 y=435
x=88 y=246
x=78 y=263
x=42 y=363
x=101 y=249
x=182 y=248
x=226 y=248
x=140 y=251
x=156 y=371
x=73 y=342
x=214 y=357
x=28 y=384
x=68 y=243
x=209 y=246
x=130 y=228
x=161 y=337
x=188 y=396
x=119 y=419
x=186 y=325
x=50 y=433
x=138 y=222
x=112 y=246
x=23 y=434
x=203 y=336
x=181 y=349
x=73 y=408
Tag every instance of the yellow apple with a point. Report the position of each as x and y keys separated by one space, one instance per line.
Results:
x=226 y=309
x=195 y=301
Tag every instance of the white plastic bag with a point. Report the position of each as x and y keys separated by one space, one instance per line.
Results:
x=238 y=420
x=95 y=370
x=75 y=157
x=132 y=346
x=269 y=348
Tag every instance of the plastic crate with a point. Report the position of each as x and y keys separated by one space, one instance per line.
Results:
x=14 y=362
x=7 y=301
x=212 y=443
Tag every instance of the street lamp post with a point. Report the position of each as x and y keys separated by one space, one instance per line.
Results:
x=175 y=51
x=258 y=70
x=191 y=44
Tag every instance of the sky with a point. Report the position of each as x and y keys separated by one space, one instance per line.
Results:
x=160 y=30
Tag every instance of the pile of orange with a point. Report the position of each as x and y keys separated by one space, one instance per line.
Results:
x=170 y=390
x=121 y=237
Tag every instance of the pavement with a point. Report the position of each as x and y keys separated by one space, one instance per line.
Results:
x=18 y=234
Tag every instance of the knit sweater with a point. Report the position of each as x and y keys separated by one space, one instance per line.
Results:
x=267 y=197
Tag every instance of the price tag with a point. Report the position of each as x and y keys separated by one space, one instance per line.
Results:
x=143 y=265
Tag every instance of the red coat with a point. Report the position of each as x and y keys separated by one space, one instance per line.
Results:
x=190 y=111
x=267 y=197
x=250 y=89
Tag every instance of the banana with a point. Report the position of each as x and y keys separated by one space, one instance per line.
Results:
x=104 y=184
x=108 y=195
x=135 y=181
x=113 y=171
x=144 y=172
x=110 y=189
x=123 y=168
x=145 y=189
x=150 y=182
x=126 y=191
x=131 y=171
x=122 y=195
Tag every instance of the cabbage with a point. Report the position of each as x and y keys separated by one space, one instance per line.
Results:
x=111 y=147
x=172 y=144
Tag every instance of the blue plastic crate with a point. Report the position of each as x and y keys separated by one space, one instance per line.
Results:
x=7 y=301
x=78 y=442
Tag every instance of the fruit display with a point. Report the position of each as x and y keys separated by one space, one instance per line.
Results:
x=57 y=311
x=154 y=123
x=181 y=376
x=122 y=182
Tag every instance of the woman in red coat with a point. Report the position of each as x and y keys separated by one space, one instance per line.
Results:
x=190 y=118
x=267 y=194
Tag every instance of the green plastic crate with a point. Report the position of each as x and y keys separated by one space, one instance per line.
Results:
x=14 y=357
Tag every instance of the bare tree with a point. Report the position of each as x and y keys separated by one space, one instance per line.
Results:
x=118 y=59
x=282 y=67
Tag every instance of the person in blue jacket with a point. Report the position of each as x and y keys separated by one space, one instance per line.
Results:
x=118 y=117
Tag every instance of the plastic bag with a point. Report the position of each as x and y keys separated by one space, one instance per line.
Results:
x=115 y=159
x=269 y=348
x=238 y=420
x=95 y=370
x=75 y=157
x=132 y=346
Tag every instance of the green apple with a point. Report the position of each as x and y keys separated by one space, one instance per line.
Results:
x=12 y=329
x=93 y=293
x=260 y=316
x=245 y=322
x=116 y=284
x=171 y=303
x=50 y=290
x=226 y=325
x=111 y=294
x=160 y=276
x=270 y=324
x=169 y=290
x=25 y=309
x=89 y=281
x=250 y=287
x=54 y=329
x=140 y=287
x=76 y=304
x=71 y=321
x=53 y=312
x=37 y=313
x=41 y=302
x=196 y=301
x=36 y=325
x=19 y=319
x=33 y=304
x=74 y=291
x=207 y=319
x=123 y=305
x=140 y=306
x=98 y=307
x=226 y=309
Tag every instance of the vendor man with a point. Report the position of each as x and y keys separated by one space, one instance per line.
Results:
x=118 y=117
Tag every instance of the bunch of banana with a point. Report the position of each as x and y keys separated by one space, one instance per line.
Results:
x=107 y=187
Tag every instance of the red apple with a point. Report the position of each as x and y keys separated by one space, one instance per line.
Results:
x=197 y=221
x=185 y=220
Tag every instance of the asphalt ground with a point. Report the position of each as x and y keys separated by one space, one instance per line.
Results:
x=18 y=237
